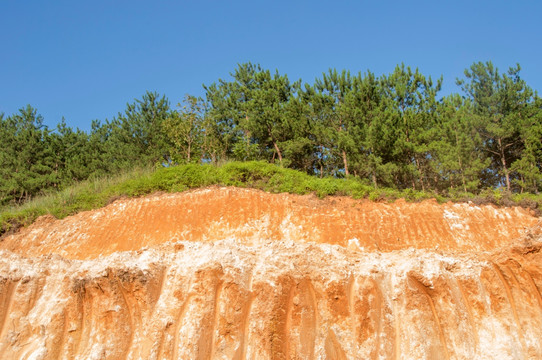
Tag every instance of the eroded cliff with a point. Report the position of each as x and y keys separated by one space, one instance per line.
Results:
x=227 y=273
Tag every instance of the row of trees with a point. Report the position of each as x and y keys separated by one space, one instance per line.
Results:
x=391 y=130
x=34 y=158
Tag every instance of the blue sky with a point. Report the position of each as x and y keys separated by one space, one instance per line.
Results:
x=86 y=60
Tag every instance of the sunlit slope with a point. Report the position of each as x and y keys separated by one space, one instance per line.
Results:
x=251 y=216
x=229 y=273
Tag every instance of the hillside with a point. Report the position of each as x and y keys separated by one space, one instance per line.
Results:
x=225 y=272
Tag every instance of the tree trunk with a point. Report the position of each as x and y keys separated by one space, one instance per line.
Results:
x=247 y=145
x=462 y=174
x=419 y=171
x=346 y=173
x=506 y=174
x=247 y=137
x=278 y=152
x=535 y=186
x=275 y=144
x=321 y=161
x=459 y=161
x=505 y=168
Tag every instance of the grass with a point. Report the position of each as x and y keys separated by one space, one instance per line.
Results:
x=92 y=194
x=86 y=195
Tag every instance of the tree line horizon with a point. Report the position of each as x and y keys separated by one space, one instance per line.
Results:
x=388 y=131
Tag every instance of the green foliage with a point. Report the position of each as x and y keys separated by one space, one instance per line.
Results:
x=27 y=160
x=184 y=130
x=456 y=146
x=259 y=175
x=255 y=174
x=411 y=103
x=350 y=130
x=502 y=103
x=85 y=195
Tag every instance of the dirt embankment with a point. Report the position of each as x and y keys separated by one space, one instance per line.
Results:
x=228 y=273
x=252 y=216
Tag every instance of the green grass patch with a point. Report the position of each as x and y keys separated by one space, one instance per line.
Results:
x=95 y=193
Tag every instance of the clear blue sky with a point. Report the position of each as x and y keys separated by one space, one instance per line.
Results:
x=85 y=60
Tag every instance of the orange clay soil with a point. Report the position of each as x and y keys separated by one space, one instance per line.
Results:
x=252 y=216
x=228 y=273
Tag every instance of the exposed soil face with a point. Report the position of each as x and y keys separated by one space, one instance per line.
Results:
x=252 y=216
x=225 y=273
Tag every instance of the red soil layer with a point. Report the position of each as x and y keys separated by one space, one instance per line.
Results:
x=252 y=216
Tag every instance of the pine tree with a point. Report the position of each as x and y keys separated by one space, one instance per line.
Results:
x=136 y=137
x=258 y=104
x=455 y=147
x=499 y=101
x=529 y=165
x=315 y=113
x=374 y=132
x=26 y=160
x=338 y=100
x=72 y=156
x=412 y=98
